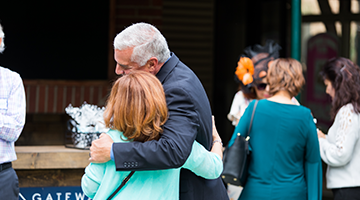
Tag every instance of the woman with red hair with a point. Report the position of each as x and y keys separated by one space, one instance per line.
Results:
x=136 y=111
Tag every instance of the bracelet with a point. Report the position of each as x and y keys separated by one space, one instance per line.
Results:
x=217 y=141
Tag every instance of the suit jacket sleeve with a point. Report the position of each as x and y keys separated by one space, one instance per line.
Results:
x=174 y=145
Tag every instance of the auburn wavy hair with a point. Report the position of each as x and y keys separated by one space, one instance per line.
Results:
x=137 y=107
x=344 y=76
x=285 y=74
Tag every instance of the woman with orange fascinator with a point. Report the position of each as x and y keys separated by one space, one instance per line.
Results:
x=251 y=74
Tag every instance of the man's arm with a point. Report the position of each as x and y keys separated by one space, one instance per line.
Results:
x=12 y=110
x=173 y=147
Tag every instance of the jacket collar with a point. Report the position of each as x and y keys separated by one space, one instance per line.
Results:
x=167 y=67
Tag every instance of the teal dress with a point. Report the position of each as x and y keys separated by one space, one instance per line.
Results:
x=285 y=161
x=100 y=180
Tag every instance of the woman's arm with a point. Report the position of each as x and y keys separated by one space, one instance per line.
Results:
x=340 y=153
x=204 y=163
x=217 y=146
x=92 y=178
x=243 y=124
x=313 y=165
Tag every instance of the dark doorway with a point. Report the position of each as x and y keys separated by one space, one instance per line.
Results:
x=56 y=39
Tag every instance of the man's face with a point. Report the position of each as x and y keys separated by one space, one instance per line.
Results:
x=124 y=64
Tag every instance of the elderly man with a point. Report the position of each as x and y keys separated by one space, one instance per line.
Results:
x=12 y=119
x=142 y=47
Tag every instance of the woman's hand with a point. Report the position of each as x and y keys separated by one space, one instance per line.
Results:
x=217 y=146
x=215 y=134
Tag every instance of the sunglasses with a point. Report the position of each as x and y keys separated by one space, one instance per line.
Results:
x=261 y=86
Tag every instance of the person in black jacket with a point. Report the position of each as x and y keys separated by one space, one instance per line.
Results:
x=141 y=46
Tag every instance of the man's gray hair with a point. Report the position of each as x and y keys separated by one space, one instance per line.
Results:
x=147 y=42
x=2 y=35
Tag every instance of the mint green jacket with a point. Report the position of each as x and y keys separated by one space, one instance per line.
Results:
x=100 y=180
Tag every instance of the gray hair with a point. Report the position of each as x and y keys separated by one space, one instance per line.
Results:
x=2 y=35
x=147 y=42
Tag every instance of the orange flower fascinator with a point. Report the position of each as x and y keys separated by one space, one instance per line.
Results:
x=245 y=70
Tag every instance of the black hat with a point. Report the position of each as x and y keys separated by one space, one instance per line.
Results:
x=260 y=57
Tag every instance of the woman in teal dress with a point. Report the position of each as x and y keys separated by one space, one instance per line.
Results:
x=136 y=111
x=285 y=160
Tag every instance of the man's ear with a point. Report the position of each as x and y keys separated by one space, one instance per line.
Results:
x=153 y=62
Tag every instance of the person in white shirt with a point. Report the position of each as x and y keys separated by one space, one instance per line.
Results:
x=340 y=148
x=12 y=120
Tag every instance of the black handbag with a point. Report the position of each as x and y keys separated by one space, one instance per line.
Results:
x=237 y=158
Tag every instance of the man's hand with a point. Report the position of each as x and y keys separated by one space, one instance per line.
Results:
x=100 y=149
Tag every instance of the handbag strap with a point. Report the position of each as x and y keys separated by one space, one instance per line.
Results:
x=126 y=179
x=252 y=117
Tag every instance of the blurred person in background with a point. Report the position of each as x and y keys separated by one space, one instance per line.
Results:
x=340 y=148
x=250 y=74
x=285 y=161
x=12 y=120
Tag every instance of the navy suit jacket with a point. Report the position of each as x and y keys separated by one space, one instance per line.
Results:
x=189 y=119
